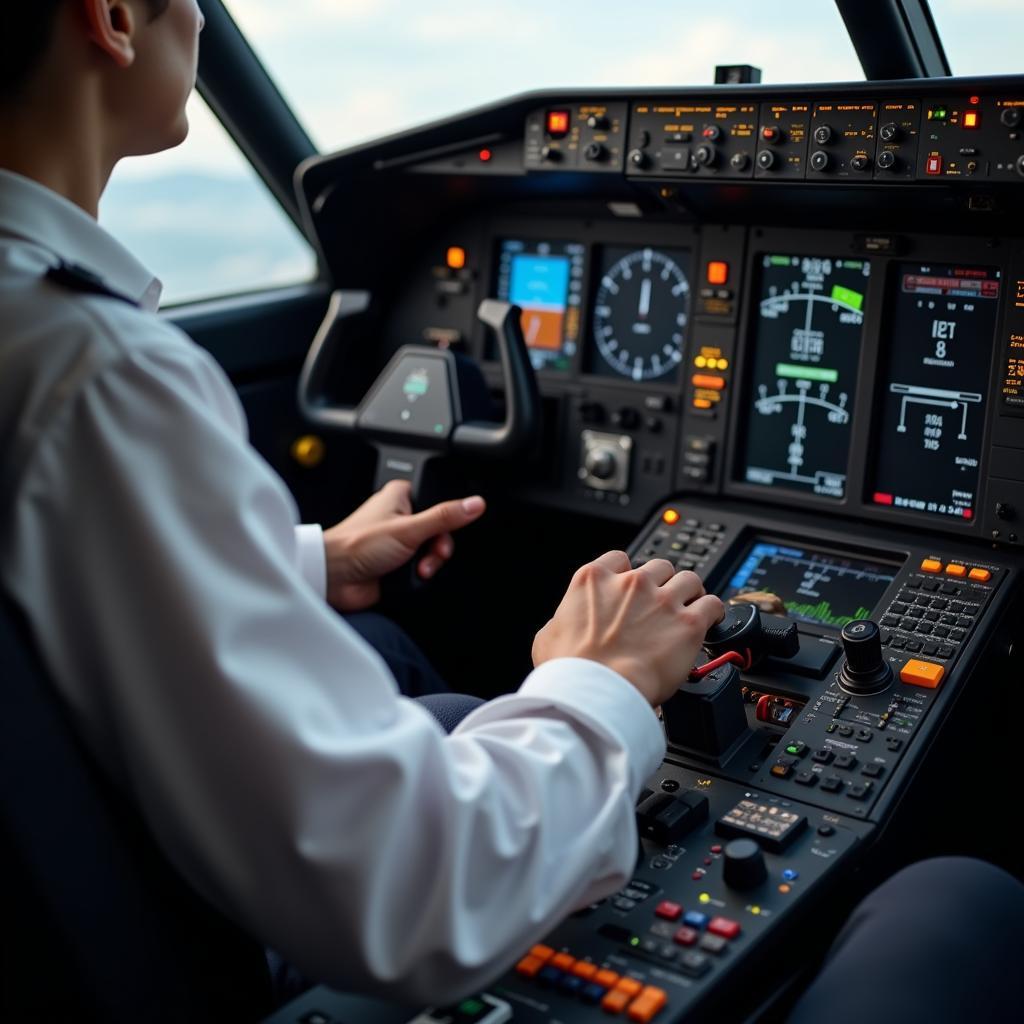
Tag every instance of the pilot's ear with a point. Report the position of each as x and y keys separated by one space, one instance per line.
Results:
x=111 y=25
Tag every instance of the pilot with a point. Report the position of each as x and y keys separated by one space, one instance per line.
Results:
x=186 y=620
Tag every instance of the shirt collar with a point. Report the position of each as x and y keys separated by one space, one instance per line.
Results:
x=35 y=213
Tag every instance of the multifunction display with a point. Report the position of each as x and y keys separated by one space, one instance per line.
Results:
x=641 y=312
x=545 y=279
x=938 y=346
x=815 y=586
x=803 y=383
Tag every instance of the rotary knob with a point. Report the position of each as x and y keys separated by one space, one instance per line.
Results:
x=551 y=154
x=864 y=670
x=739 y=161
x=598 y=122
x=595 y=152
x=706 y=156
x=766 y=159
x=638 y=158
x=823 y=134
x=820 y=160
x=744 y=866
x=860 y=162
x=886 y=160
x=601 y=464
x=1010 y=116
x=889 y=132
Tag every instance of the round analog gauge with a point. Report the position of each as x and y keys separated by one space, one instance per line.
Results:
x=640 y=315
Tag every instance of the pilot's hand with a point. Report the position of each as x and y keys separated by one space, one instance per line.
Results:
x=645 y=623
x=382 y=535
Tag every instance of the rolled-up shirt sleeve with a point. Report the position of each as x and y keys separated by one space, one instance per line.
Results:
x=311 y=559
x=266 y=743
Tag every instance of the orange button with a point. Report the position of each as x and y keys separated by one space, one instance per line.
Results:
x=582 y=969
x=983 y=575
x=922 y=673
x=630 y=986
x=615 y=1001
x=529 y=966
x=701 y=403
x=607 y=978
x=647 y=1004
x=718 y=272
x=563 y=961
x=953 y=569
x=705 y=380
x=542 y=952
x=931 y=565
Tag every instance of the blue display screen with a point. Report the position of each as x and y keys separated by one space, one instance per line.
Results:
x=540 y=282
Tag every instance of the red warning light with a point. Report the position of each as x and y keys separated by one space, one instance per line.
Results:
x=485 y=156
x=975 y=101
x=971 y=118
x=881 y=498
x=968 y=513
x=558 y=123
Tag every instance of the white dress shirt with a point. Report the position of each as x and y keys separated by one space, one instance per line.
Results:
x=183 y=620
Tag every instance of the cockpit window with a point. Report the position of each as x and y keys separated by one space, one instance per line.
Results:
x=359 y=69
x=981 y=37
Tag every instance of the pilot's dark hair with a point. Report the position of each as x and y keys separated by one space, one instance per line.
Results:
x=27 y=31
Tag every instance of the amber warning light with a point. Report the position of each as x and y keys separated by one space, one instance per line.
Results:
x=455 y=257
x=558 y=123
x=670 y=516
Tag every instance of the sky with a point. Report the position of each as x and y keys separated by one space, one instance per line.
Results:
x=354 y=70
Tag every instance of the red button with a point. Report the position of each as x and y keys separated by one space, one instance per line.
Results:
x=669 y=910
x=934 y=164
x=724 y=927
x=686 y=936
x=716 y=848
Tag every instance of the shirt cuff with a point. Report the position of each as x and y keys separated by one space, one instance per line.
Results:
x=608 y=703
x=311 y=557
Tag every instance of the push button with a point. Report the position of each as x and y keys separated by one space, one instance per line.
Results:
x=650 y=1001
x=931 y=565
x=981 y=575
x=922 y=673
x=668 y=910
x=955 y=569
x=724 y=926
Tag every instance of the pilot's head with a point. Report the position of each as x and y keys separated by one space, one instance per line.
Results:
x=128 y=64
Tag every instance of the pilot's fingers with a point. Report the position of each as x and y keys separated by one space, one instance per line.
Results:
x=443 y=547
x=685 y=587
x=708 y=611
x=446 y=517
x=614 y=561
x=660 y=570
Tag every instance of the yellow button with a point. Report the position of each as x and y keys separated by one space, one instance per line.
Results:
x=931 y=565
x=922 y=673
x=953 y=569
x=983 y=575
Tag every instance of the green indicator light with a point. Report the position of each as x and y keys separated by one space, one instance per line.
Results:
x=779 y=261
x=792 y=749
x=818 y=373
x=938 y=114
x=852 y=265
x=847 y=296
x=634 y=941
x=470 y=1006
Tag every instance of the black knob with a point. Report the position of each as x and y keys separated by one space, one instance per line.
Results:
x=823 y=134
x=626 y=417
x=595 y=151
x=550 y=153
x=1020 y=165
x=766 y=159
x=706 y=156
x=860 y=162
x=597 y=121
x=889 y=132
x=638 y=158
x=772 y=135
x=819 y=160
x=739 y=161
x=864 y=670
x=601 y=464
x=886 y=160
x=744 y=866
x=1010 y=116
x=1004 y=510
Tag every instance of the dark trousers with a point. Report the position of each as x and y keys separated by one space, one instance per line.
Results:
x=938 y=942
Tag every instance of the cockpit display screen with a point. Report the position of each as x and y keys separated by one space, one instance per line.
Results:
x=545 y=280
x=816 y=587
x=809 y=318
x=939 y=342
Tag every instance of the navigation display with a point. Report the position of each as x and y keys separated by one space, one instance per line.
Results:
x=815 y=586
x=545 y=280
x=804 y=380
x=939 y=341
